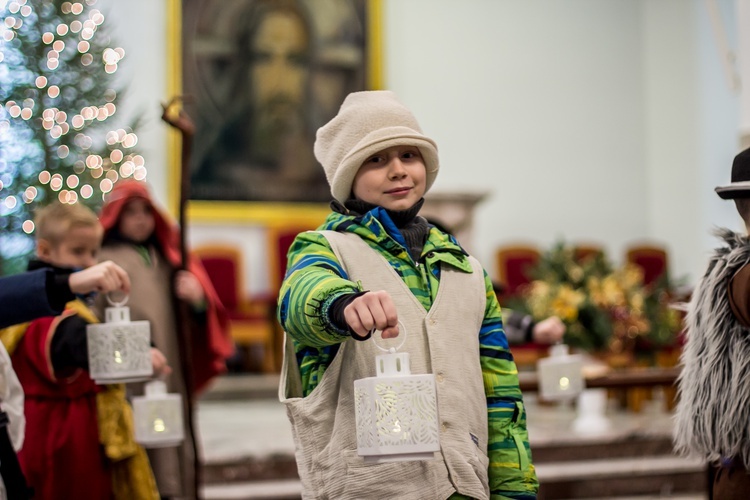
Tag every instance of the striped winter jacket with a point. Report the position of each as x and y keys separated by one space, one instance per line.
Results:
x=315 y=279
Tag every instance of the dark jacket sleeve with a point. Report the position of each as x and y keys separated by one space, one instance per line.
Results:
x=69 y=349
x=31 y=295
x=739 y=295
x=519 y=327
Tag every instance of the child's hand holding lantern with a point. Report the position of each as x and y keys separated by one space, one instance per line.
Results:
x=372 y=311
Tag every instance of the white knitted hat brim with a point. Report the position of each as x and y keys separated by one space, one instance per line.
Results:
x=341 y=184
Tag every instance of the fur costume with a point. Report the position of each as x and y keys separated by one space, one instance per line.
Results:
x=713 y=413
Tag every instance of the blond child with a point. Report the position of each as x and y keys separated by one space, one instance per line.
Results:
x=78 y=440
x=375 y=264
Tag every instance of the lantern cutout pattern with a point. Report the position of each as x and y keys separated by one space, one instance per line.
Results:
x=158 y=417
x=560 y=375
x=396 y=412
x=119 y=349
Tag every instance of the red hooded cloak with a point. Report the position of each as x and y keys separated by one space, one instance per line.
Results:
x=208 y=353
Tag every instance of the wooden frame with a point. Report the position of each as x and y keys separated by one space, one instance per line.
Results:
x=269 y=213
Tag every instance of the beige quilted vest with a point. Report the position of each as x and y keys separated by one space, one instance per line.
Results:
x=443 y=341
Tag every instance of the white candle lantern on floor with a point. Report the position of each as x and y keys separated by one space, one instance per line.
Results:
x=396 y=412
x=119 y=349
x=158 y=417
x=560 y=376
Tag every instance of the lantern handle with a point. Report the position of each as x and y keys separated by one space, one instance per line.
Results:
x=402 y=330
x=115 y=303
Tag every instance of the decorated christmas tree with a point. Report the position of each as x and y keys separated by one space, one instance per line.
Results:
x=58 y=138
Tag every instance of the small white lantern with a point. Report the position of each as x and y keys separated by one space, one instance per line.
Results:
x=560 y=376
x=592 y=413
x=158 y=417
x=396 y=412
x=119 y=349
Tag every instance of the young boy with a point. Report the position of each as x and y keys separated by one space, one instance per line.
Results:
x=375 y=263
x=714 y=386
x=79 y=441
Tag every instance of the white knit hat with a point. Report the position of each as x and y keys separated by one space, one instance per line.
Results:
x=368 y=122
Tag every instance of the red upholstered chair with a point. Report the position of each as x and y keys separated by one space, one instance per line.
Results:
x=651 y=258
x=513 y=265
x=250 y=318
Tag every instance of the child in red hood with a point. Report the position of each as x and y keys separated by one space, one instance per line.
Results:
x=141 y=239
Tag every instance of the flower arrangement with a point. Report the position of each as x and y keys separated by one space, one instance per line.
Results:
x=604 y=309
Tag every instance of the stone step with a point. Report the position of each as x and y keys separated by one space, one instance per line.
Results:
x=620 y=479
x=283 y=466
x=254 y=490
x=686 y=496
x=242 y=387
x=636 y=445
x=661 y=475
x=270 y=468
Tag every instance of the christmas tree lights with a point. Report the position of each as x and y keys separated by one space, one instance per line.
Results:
x=57 y=99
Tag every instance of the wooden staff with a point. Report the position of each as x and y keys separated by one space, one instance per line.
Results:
x=185 y=325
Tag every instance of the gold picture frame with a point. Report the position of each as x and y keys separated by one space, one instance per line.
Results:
x=266 y=213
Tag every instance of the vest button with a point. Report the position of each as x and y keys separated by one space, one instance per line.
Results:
x=440 y=377
x=444 y=427
x=433 y=321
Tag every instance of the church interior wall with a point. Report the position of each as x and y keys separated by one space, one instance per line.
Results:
x=602 y=121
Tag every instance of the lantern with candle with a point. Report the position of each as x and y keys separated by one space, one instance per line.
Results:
x=119 y=350
x=396 y=412
x=158 y=417
x=560 y=376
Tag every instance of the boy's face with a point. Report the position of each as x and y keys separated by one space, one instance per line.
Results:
x=77 y=249
x=137 y=220
x=393 y=178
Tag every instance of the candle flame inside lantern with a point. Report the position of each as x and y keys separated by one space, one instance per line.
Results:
x=564 y=383
x=159 y=425
x=118 y=357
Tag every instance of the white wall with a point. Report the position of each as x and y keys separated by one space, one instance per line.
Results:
x=139 y=26
x=594 y=120
x=691 y=128
x=541 y=102
x=743 y=52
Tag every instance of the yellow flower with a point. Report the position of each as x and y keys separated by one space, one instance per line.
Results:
x=538 y=298
x=574 y=271
x=612 y=291
x=632 y=276
x=637 y=301
x=565 y=304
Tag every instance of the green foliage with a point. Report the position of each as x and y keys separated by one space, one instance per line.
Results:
x=57 y=98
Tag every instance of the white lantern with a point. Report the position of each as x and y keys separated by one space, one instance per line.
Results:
x=158 y=417
x=560 y=376
x=396 y=412
x=592 y=413
x=119 y=349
